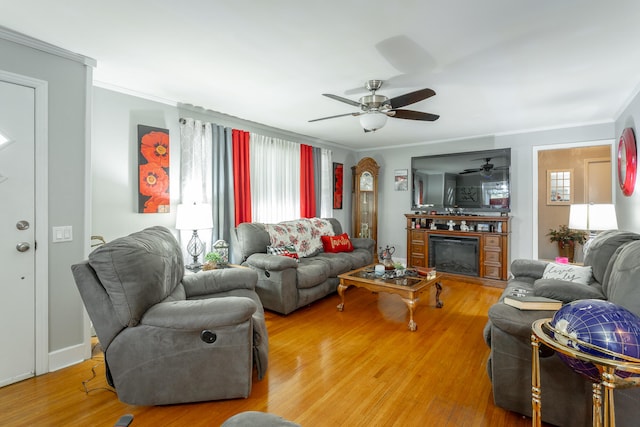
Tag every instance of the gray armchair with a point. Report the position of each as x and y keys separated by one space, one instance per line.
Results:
x=169 y=337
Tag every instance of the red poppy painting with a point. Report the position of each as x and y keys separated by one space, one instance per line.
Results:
x=153 y=170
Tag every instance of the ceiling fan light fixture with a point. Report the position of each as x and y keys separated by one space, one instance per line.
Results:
x=373 y=120
x=486 y=173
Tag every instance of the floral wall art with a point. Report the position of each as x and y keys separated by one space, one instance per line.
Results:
x=153 y=169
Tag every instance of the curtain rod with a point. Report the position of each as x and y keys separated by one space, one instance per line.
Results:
x=184 y=121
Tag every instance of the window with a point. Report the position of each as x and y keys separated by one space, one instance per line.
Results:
x=559 y=187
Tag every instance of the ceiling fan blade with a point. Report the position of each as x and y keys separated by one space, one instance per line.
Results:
x=414 y=115
x=333 y=117
x=411 y=98
x=468 y=171
x=341 y=99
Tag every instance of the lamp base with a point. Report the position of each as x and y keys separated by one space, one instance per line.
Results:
x=195 y=248
x=194 y=266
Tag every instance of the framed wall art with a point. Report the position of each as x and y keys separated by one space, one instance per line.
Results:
x=338 y=184
x=153 y=170
x=401 y=180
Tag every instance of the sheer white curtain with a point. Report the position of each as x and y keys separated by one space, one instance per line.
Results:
x=195 y=161
x=195 y=172
x=275 y=179
x=326 y=184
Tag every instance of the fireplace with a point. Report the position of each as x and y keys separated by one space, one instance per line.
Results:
x=454 y=254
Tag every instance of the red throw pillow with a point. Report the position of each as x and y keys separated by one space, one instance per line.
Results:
x=340 y=243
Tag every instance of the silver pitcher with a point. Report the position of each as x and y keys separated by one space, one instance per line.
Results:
x=385 y=257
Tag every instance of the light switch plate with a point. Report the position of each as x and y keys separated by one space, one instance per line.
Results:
x=62 y=234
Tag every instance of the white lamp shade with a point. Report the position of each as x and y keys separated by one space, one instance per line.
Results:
x=194 y=216
x=593 y=217
x=602 y=217
x=373 y=120
x=578 y=217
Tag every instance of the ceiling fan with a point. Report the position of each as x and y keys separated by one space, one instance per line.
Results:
x=374 y=108
x=485 y=170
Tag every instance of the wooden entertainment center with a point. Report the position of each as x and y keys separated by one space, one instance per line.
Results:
x=490 y=234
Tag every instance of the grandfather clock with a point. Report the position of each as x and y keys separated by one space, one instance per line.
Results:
x=365 y=198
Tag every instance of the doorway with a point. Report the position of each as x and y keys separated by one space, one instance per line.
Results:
x=23 y=223
x=586 y=177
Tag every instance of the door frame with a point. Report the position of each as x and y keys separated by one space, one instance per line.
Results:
x=534 y=156
x=41 y=122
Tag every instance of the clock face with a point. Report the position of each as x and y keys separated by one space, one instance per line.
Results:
x=366 y=181
x=627 y=162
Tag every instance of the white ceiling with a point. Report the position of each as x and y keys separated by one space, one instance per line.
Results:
x=497 y=66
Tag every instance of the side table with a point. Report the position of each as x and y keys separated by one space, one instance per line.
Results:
x=603 y=408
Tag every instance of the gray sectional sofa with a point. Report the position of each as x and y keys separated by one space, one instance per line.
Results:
x=285 y=284
x=614 y=258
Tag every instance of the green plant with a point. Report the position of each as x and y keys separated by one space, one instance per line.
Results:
x=213 y=257
x=565 y=235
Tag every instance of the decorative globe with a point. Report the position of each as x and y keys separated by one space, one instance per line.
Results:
x=599 y=323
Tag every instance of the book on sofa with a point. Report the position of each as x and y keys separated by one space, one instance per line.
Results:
x=531 y=302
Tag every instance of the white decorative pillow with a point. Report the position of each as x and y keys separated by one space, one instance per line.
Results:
x=568 y=273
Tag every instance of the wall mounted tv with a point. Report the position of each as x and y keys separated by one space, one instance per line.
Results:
x=476 y=181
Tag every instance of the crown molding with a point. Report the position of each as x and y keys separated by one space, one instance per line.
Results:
x=19 y=38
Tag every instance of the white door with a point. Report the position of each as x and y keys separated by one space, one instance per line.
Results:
x=598 y=181
x=17 y=232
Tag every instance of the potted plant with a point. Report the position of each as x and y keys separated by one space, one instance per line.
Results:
x=211 y=260
x=567 y=239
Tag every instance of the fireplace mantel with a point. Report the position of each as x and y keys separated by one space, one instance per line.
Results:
x=492 y=232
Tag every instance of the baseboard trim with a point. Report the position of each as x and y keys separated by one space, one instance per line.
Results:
x=66 y=357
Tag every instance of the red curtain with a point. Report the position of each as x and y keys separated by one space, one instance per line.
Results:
x=307 y=189
x=241 y=176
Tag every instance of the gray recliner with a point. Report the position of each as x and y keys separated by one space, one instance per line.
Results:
x=169 y=337
x=614 y=257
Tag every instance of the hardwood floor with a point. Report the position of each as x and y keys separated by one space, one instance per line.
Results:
x=359 y=367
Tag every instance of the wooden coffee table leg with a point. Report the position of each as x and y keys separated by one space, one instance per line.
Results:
x=439 y=303
x=341 y=289
x=411 y=304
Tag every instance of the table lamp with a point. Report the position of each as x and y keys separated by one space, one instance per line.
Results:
x=196 y=216
x=592 y=218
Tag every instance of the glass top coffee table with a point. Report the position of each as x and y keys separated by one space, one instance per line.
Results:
x=408 y=287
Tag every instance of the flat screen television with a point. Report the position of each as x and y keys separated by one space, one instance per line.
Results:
x=473 y=182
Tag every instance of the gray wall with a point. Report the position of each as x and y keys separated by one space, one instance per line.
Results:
x=394 y=204
x=628 y=208
x=114 y=162
x=114 y=158
x=67 y=109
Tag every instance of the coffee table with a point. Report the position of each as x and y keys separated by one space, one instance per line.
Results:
x=408 y=287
